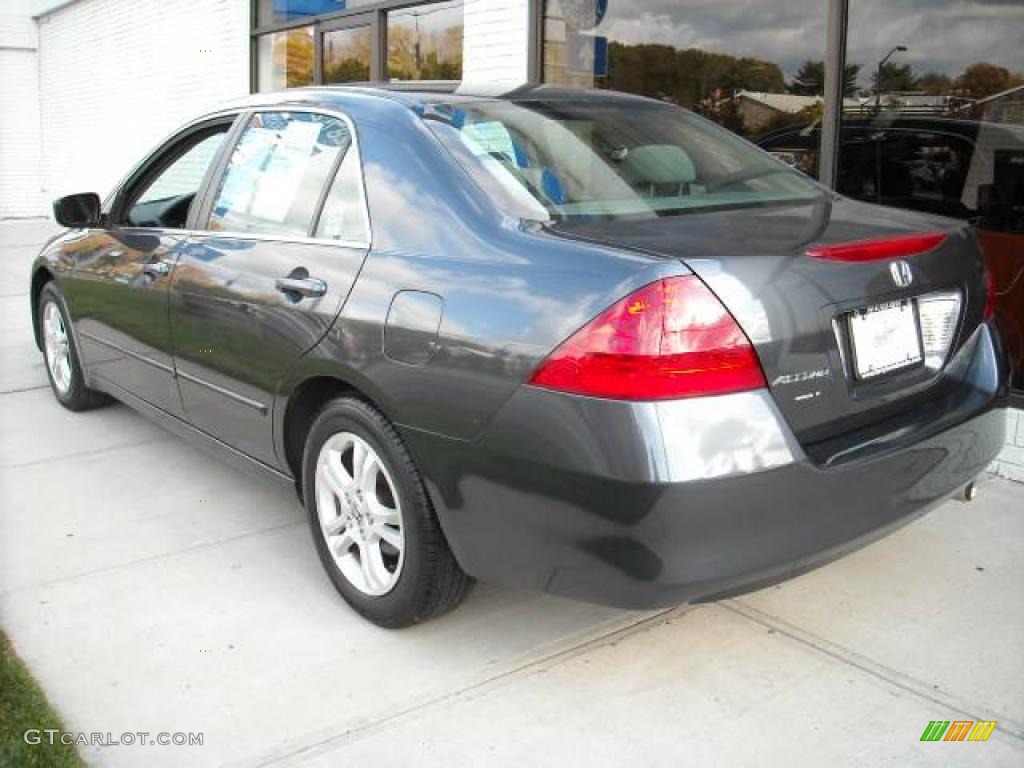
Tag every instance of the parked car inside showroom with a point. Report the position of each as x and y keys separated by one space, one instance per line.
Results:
x=574 y=341
x=965 y=169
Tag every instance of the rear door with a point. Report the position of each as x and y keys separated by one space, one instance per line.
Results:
x=120 y=299
x=277 y=248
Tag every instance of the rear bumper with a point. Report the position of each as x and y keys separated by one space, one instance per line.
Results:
x=590 y=499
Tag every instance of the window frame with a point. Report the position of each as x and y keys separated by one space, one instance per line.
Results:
x=321 y=23
x=158 y=160
x=214 y=181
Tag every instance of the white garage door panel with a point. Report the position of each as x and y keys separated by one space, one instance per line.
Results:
x=117 y=76
x=20 y=163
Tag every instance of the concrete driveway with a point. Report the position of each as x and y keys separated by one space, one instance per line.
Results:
x=150 y=588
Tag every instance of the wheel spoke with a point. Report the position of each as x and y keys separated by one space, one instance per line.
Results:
x=340 y=544
x=336 y=526
x=358 y=458
x=372 y=564
x=335 y=475
x=390 y=535
x=368 y=477
x=382 y=514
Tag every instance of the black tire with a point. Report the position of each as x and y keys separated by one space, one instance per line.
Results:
x=430 y=582
x=78 y=397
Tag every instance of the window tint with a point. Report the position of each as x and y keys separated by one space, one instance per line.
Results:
x=343 y=214
x=277 y=173
x=164 y=201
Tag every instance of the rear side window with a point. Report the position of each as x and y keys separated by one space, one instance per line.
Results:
x=344 y=215
x=277 y=173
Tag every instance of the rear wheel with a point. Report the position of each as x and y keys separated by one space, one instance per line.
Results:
x=372 y=522
x=63 y=362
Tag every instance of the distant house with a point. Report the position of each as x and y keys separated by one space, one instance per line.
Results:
x=760 y=111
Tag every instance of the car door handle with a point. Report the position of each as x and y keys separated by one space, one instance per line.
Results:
x=156 y=268
x=304 y=286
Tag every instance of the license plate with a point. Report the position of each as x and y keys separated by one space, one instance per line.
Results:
x=885 y=338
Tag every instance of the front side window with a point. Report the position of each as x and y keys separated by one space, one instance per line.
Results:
x=163 y=200
x=586 y=158
x=277 y=173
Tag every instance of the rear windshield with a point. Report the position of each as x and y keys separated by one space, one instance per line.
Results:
x=561 y=159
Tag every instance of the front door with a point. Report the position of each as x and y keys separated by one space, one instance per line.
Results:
x=285 y=234
x=120 y=301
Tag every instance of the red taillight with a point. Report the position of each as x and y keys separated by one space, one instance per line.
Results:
x=882 y=248
x=670 y=339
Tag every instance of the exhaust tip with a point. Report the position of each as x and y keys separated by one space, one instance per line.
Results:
x=968 y=493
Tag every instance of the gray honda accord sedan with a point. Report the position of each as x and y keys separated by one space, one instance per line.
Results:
x=572 y=341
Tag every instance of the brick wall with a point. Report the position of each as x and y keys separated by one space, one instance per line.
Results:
x=1010 y=462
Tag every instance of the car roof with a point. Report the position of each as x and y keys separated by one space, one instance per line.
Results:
x=415 y=94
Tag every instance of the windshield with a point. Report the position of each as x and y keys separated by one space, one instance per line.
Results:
x=559 y=159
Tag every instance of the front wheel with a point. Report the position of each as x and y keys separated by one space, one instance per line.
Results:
x=63 y=362
x=372 y=522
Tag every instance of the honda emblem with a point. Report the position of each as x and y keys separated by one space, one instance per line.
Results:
x=901 y=274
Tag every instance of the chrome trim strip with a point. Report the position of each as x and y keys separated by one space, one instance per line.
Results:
x=134 y=355
x=262 y=237
x=254 y=404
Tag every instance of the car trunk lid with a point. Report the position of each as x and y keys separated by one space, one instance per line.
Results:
x=797 y=308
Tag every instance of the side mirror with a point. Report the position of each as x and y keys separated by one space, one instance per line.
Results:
x=77 y=211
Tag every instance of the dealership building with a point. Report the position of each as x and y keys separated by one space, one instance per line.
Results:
x=869 y=91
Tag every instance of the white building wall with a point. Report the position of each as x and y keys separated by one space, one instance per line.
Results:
x=117 y=76
x=496 y=43
x=21 y=191
x=1010 y=463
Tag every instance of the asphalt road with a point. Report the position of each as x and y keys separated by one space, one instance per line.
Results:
x=150 y=588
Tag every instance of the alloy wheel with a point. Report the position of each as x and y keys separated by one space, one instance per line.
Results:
x=58 y=350
x=360 y=513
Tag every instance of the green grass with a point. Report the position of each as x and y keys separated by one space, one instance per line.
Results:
x=22 y=707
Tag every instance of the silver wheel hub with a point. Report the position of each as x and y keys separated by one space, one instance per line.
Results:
x=359 y=513
x=57 y=347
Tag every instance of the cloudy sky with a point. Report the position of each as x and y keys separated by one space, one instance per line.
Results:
x=942 y=35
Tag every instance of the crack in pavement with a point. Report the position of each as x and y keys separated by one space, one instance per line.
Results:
x=86 y=453
x=1007 y=725
x=151 y=558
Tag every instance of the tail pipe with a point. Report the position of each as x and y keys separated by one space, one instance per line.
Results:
x=968 y=493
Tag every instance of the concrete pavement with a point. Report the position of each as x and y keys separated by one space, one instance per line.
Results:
x=151 y=589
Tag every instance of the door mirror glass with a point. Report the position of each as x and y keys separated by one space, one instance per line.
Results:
x=77 y=211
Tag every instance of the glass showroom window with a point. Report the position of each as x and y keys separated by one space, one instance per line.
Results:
x=753 y=72
x=939 y=127
x=425 y=42
x=285 y=59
